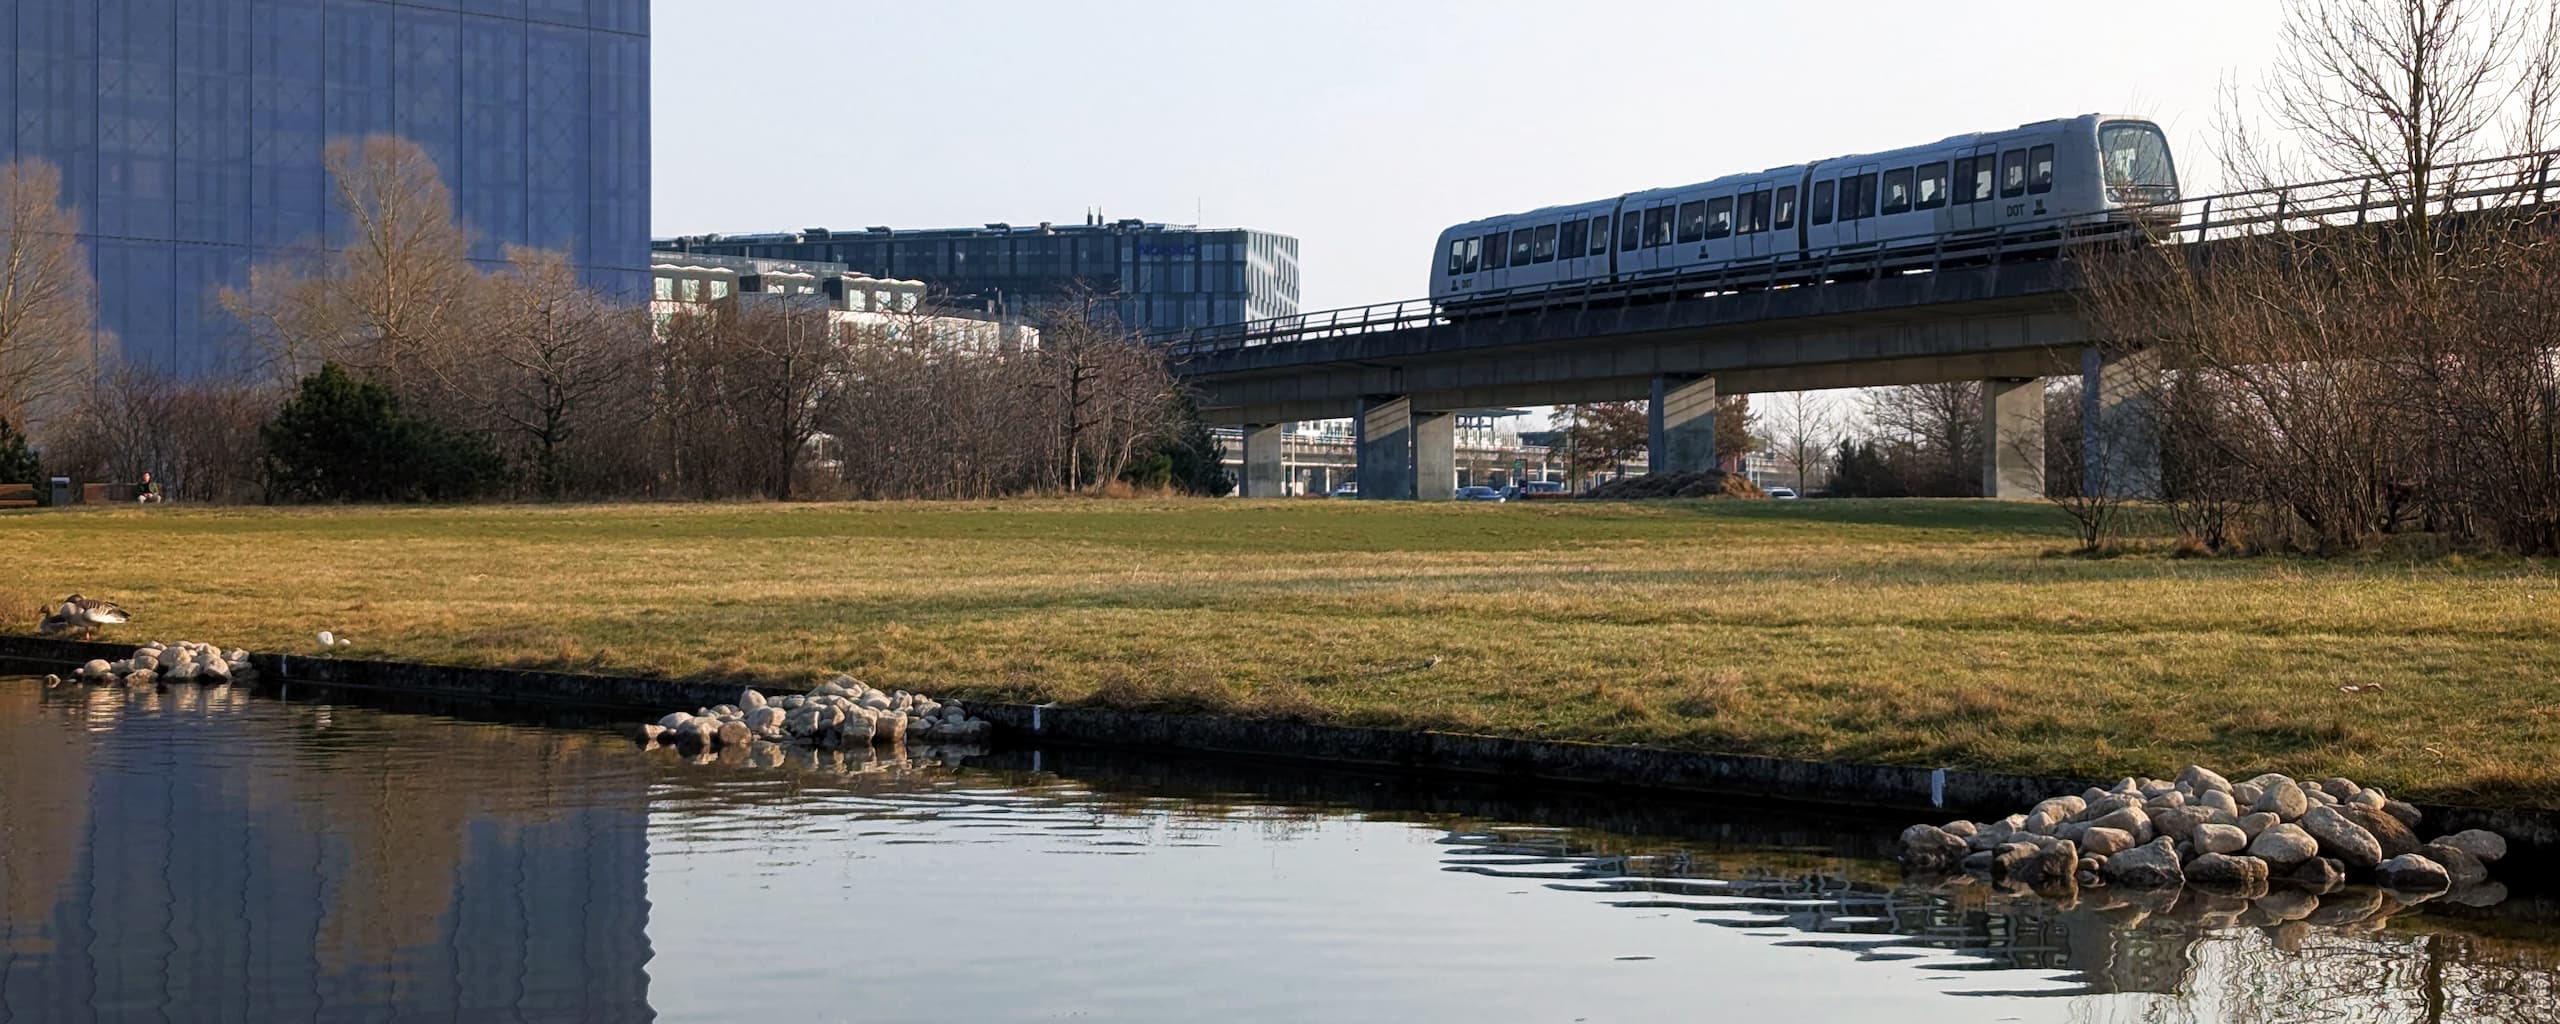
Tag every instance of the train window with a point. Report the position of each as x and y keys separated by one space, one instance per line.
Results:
x=1630 y=234
x=1964 y=182
x=1862 y=204
x=1599 y=236
x=1475 y=254
x=1822 y=201
x=1522 y=241
x=1457 y=257
x=1786 y=207
x=1496 y=251
x=1897 y=191
x=1693 y=221
x=2040 y=169
x=1986 y=174
x=2013 y=174
x=1932 y=185
x=1544 y=251
x=1658 y=233
x=1720 y=217
x=1754 y=215
x=1569 y=238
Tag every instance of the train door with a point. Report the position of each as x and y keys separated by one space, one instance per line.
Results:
x=1856 y=226
x=1648 y=250
x=1755 y=222
x=1974 y=205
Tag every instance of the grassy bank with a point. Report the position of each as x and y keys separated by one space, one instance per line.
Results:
x=1942 y=633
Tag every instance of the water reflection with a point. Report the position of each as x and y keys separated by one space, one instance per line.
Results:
x=171 y=855
x=210 y=855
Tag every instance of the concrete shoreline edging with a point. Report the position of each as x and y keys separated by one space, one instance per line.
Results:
x=2534 y=834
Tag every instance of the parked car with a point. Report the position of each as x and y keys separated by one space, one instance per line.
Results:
x=1534 y=489
x=1783 y=493
x=1349 y=489
x=1479 y=494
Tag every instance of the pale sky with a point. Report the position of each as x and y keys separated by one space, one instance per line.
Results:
x=1365 y=127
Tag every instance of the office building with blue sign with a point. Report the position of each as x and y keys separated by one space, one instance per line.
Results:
x=190 y=135
x=1155 y=277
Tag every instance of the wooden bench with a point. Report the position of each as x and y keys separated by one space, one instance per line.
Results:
x=17 y=495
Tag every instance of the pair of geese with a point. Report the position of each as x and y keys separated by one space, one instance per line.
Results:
x=82 y=615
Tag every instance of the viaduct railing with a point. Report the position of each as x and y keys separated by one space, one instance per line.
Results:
x=2509 y=181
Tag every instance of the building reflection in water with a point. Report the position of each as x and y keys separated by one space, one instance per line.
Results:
x=295 y=864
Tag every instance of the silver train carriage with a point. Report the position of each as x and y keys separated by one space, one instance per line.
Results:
x=1968 y=198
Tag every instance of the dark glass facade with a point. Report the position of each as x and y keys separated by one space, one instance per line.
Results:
x=1159 y=276
x=190 y=134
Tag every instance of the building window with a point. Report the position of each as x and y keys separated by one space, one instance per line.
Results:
x=719 y=290
x=666 y=289
x=693 y=290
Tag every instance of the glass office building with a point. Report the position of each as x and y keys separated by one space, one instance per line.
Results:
x=190 y=135
x=1156 y=276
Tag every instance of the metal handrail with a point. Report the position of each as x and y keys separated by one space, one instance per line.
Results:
x=2196 y=219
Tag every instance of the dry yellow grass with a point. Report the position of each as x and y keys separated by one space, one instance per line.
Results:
x=1940 y=633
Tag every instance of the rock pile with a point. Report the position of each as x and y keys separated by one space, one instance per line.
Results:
x=2204 y=830
x=840 y=713
x=183 y=662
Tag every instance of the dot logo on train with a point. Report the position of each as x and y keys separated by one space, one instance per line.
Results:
x=1966 y=199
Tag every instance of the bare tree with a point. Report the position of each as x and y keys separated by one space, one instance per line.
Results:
x=786 y=360
x=1802 y=430
x=389 y=301
x=550 y=354
x=1942 y=423
x=48 y=303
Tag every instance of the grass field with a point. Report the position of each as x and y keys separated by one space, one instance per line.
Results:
x=1934 y=633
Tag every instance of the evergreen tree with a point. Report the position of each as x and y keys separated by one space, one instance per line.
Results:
x=18 y=463
x=1194 y=461
x=342 y=439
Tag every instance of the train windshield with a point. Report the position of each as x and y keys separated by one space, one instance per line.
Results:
x=2137 y=160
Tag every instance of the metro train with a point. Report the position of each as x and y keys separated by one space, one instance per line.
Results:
x=1965 y=198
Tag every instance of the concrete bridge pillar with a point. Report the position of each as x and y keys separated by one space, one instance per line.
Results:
x=2119 y=426
x=1383 y=440
x=1683 y=435
x=1263 y=477
x=1435 y=456
x=2013 y=438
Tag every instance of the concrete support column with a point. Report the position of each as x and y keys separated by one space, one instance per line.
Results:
x=2013 y=438
x=1435 y=456
x=1683 y=436
x=1263 y=476
x=1383 y=439
x=2119 y=427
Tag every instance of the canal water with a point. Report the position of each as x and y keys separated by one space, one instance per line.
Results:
x=213 y=855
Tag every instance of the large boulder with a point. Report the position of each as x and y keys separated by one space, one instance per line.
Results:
x=765 y=720
x=2133 y=820
x=2052 y=864
x=2284 y=801
x=2216 y=839
x=2284 y=845
x=2412 y=873
x=2258 y=823
x=2459 y=865
x=674 y=721
x=2152 y=866
x=2340 y=789
x=2223 y=871
x=2198 y=779
x=733 y=735
x=2180 y=823
x=2342 y=838
x=2407 y=812
x=2105 y=842
x=750 y=700
x=2482 y=843
x=2394 y=838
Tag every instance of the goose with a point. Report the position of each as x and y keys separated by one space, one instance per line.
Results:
x=82 y=615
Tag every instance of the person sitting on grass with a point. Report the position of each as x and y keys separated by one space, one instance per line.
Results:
x=148 y=492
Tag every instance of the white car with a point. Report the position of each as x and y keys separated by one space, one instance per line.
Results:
x=1783 y=493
